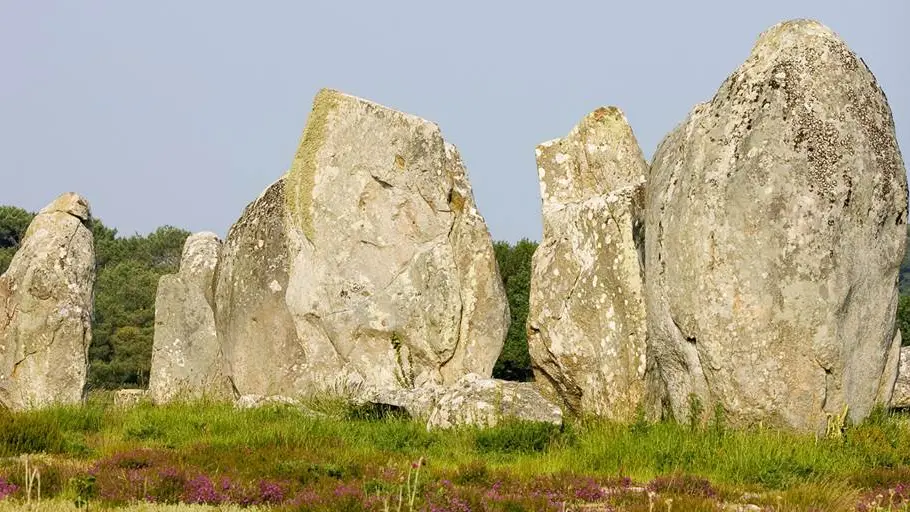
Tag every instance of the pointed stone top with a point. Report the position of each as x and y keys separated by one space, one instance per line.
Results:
x=804 y=45
x=70 y=203
x=796 y=31
x=357 y=128
x=200 y=254
x=331 y=99
x=598 y=156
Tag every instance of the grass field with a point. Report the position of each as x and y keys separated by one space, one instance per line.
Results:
x=279 y=458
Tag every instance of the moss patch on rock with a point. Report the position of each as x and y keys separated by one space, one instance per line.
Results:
x=302 y=176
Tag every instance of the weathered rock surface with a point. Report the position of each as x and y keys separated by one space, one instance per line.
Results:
x=901 y=397
x=586 y=322
x=125 y=398
x=46 y=308
x=776 y=223
x=417 y=402
x=392 y=278
x=474 y=400
x=262 y=352
x=186 y=355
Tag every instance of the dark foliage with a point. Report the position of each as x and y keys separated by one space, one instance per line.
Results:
x=515 y=268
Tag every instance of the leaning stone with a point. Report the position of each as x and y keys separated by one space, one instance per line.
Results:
x=251 y=282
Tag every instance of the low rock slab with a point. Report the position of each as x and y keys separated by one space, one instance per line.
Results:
x=258 y=401
x=417 y=402
x=124 y=398
x=477 y=401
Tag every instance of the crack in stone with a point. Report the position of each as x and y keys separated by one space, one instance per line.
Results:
x=382 y=182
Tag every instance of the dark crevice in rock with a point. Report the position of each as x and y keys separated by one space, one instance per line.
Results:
x=383 y=183
x=827 y=390
x=638 y=238
x=234 y=389
x=570 y=396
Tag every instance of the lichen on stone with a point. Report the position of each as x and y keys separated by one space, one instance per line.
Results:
x=302 y=176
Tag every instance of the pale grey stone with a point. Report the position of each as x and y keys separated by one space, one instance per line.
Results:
x=262 y=352
x=392 y=279
x=258 y=401
x=587 y=332
x=125 y=398
x=776 y=222
x=417 y=402
x=46 y=309
x=186 y=354
x=901 y=397
x=477 y=401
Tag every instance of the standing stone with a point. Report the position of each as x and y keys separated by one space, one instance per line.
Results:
x=392 y=279
x=186 y=356
x=586 y=322
x=262 y=352
x=775 y=227
x=901 y=397
x=46 y=309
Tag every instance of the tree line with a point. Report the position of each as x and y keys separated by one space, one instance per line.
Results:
x=128 y=269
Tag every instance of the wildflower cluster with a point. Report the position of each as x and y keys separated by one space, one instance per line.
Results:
x=7 y=488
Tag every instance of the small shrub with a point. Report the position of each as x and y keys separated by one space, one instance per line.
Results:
x=374 y=412
x=401 y=436
x=85 y=489
x=641 y=423
x=719 y=422
x=201 y=490
x=144 y=431
x=683 y=484
x=473 y=473
x=517 y=437
x=141 y=474
x=696 y=408
x=29 y=433
x=7 y=488
x=881 y=477
x=335 y=471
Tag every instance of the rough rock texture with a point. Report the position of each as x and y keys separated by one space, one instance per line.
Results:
x=418 y=402
x=186 y=356
x=130 y=397
x=776 y=223
x=474 y=400
x=393 y=280
x=46 y=308
x=257 y=401
x=586 y=322
x=901 y=397
x=261 y=349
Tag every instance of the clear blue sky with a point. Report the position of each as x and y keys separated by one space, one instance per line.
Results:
x=181 y=112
